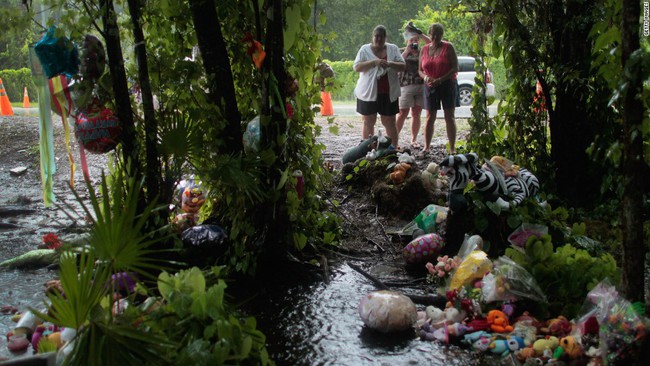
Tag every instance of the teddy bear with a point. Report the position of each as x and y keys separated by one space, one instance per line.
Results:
x=499 y=321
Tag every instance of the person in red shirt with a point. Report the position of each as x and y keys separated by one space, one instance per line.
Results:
x=439 y=67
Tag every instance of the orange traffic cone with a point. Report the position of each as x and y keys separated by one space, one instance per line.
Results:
x=326 y=108
x=5 y=105
x=25 y=99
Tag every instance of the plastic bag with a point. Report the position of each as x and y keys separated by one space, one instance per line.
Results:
x=432 y=219
x=622 y=330
x=470 y=244
x=509 y=281
x=203 y=244
x=519 y=237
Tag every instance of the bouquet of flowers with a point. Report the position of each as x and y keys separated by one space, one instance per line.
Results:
x=439 y=272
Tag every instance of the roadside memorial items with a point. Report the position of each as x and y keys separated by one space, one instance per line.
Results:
x=387 y=311
x=471 y=269
x=97 y=128
x=252 y=136
x=509 y=281
x=432 y=219
x=423 y=248
x=399 y=173
x=499 y=180
x=519 y=237
x=187 y=202
x=203 y=244
x=57 y=54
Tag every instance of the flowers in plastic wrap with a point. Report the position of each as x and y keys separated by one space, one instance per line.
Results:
x=622 y=327
x=509 y=281
x=440 y=272
x=472 y=268
x=520 y=236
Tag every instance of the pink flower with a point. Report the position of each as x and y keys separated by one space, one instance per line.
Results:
x=430 y=267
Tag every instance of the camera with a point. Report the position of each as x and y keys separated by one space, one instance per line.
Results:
x=414 y=46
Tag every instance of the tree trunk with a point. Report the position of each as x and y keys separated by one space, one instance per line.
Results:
x=152 y=168
x=275 y=210
x=577 y=178
x=634 y=249
x=120 y=86
x=217 y=67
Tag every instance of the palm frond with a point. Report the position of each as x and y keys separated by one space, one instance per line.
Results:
x=83 y=288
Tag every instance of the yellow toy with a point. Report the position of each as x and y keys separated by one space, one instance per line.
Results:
x=472 y=268
x=571 y=347
x=546 y=346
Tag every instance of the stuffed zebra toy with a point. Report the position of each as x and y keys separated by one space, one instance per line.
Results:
x=460 y=169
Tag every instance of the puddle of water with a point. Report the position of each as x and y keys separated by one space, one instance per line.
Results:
x=319 y=324
x=21 y=289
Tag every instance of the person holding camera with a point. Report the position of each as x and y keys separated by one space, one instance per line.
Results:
x=411 y=84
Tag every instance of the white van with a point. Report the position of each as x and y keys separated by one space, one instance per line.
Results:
x=466 y=75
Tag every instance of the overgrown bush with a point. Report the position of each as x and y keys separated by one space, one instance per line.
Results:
x=345 y=80
x=15 y=82
x=565 y=274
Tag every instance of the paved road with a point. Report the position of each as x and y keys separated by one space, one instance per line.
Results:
x=461 y=112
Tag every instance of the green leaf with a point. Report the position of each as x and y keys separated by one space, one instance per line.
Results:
x=293 y=19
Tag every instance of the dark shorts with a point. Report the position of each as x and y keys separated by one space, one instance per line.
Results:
x=445 y=94
x=383 y=106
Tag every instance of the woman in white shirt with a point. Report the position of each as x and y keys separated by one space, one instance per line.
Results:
x=378 y=88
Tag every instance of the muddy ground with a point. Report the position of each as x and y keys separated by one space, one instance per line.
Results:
x=24 y=219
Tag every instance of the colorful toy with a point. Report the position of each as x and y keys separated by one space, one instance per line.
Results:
x=571 y=347
x=504 y=346
x=489 y=180
x=499 y=321
x=423 y=248
x=559 y=327
x=546 y=346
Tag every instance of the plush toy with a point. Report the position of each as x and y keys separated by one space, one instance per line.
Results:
x=558 y=327
x=399 y=173
x=520 y=183
x=430 y=177
x=192 y=200
x=489 y=180
x=546 y=346
x=504 y=346
x=571 y=347
x=525 y=353
x=499 y=322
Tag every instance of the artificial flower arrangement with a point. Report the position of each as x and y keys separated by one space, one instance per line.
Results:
x=441 y=271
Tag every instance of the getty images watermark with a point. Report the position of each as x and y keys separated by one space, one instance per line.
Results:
x=646 y=19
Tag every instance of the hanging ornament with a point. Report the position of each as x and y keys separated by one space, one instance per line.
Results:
x=97 y=128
